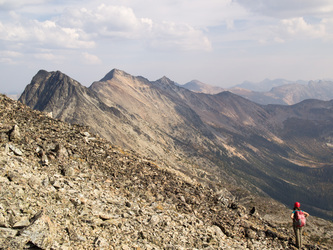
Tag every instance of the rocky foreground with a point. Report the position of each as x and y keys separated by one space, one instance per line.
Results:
x=64 y=188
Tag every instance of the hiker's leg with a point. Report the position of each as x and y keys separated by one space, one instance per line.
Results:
x=300 y=237
x=296 y=236
x=295 y=233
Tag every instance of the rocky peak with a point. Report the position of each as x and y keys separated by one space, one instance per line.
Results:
x=165 y=80
x=50 y=87
x=114 y=73
x=165 y=83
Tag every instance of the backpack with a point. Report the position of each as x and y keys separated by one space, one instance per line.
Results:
x=299 y=218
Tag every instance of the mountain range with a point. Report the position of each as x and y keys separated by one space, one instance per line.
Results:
x=285 y=152
x=277 y=91
x=266 y=84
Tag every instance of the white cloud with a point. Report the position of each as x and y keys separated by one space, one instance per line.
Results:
x=299 y=28
x=119 y=22
x=8 y=53
x=9 y=57
x=184 y=37
x=197 y=13
x=328 y=24
x=44 y=34
x=14 y=4
x=48 y=56
x=104 y=20
x=91 y=59
x=289 y=8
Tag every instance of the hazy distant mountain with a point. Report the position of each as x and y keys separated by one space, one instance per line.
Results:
x=200 y=87
x=14 y=96
x=282 y=151
x=290 y=93
x=265 y=85
x=277 y=91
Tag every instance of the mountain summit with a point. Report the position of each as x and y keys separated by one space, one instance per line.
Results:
x=113 y=73
x=280 y=151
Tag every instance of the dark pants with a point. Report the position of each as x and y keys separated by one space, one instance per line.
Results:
x=298 y=234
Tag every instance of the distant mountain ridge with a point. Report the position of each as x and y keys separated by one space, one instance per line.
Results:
x=266 y=84
x=290 y=94
x=223 y=137
x=278 y=91
x=201 y=87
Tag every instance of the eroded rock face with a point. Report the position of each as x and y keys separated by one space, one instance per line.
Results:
x=63 y=188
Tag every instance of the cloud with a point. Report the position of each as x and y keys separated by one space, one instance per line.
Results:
x=45 y=34
x=173 y=36
x=14 y=4
x=9 y=57
x=270 y=21
x=289 y=8
x=120 y=22
x=50 y=57
x=197 y=13
x=109 y=21
x=299 y=28
x=91 y=59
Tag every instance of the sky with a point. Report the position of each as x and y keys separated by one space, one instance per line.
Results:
x=218 y=42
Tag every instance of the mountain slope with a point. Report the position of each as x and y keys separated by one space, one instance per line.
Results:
x=222 y=138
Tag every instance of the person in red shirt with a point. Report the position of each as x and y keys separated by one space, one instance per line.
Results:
x=299 y=218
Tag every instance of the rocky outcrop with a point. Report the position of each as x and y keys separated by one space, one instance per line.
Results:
x=65 y=188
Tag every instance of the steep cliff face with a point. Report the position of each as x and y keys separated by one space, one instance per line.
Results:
x=281 y=151
x=63 y=187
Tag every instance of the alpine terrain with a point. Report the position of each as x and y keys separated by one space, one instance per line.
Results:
x=63 y=187
x=283 y=152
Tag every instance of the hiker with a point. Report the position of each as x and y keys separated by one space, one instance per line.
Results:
x=299 y=219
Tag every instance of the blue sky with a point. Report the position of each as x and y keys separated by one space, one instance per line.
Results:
x=218 y=42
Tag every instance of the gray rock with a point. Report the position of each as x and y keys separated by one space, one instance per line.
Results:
x=41 y=232
x=14 y=149
x=154 y=220
x=23 y=222
x=7 y=232
x=15 y=134
x=101 y=243
x=61 y=152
